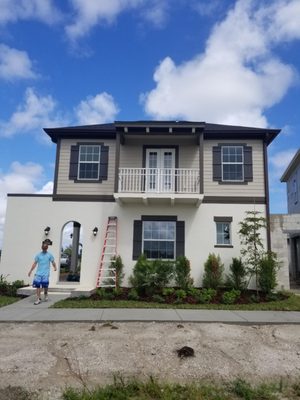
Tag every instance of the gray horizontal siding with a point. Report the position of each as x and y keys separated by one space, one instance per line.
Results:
x=67 y=186
x=255 y=188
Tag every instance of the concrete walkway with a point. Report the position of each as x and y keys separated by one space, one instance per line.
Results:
x=25 y=311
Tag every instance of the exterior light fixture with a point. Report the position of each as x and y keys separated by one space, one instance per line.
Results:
x=47 y=230
x=95 y=231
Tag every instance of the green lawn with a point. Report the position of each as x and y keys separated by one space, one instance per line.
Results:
x=152 y=390
x=292 y=303
x=6 y=300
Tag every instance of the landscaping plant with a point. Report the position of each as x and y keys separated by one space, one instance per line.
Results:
x=268 y=268
x=237 y=278
x=213 y=271
x=252 y=244
x=182 y=273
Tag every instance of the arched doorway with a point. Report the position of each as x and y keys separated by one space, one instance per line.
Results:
x=71 y=252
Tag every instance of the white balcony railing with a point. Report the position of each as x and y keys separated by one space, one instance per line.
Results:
x=158 y=180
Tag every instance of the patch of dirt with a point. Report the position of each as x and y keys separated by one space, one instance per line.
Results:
x=49 y=357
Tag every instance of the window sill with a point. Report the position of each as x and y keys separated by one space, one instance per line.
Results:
x=224 y=245
x=233 y=182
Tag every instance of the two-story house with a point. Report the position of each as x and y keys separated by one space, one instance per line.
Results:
x=174 y=187
x=292 y=178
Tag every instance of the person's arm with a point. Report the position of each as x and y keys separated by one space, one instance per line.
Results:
x=54 y=265
x=32 y=268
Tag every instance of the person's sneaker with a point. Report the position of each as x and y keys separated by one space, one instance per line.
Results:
x=46 y=298
x=37 y=302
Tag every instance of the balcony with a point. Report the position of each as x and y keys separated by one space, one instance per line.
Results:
x=159 y=186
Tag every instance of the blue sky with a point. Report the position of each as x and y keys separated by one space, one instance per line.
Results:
x=73 y=62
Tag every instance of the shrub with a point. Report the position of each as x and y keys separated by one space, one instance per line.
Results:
x=158 y=298
x=182 y=273
x=150 y=276
x=213 y=270
x=118 y=264
x=267 y=273
x=237 y=276
x=9 y=289
x=168 y=291
x=231 y=296
x=133 y=295
x=206 y=295
x=193 y=292
x=180 y=294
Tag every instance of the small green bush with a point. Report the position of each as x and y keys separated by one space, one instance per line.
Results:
x=9 y=289
x=206 y=296
x=231 y=296
x=180 y=294
x=133 y=295
x=150 y=276
x=168 y=291
x=117 y=263
x=213 y=271
x=182 y=273
x=158 y=298
x=237 y=275
x=192 y=291
x=267 y=273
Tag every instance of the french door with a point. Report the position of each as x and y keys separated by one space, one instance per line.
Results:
x=160 y=165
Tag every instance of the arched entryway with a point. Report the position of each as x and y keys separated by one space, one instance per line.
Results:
x=71 y=252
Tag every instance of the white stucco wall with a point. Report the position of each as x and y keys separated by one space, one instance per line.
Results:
x=28 y=216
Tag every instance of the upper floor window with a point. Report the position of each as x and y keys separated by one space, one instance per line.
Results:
x=232 y=163
x=89 y=161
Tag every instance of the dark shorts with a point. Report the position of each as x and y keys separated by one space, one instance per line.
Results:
x=40 y=281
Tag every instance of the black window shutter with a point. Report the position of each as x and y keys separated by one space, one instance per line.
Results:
x=248 y=164
x=217 y=165
x=137 y=239
x=180 y=238
x=73 y=170
x=103 y=163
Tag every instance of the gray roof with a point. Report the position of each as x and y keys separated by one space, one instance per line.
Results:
x=216 y=131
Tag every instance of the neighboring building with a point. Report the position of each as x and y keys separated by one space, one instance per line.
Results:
x=176 y=188
x=292 y=178
x=285 y=228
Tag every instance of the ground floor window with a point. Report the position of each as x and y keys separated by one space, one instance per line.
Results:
x=223 y=231
x=159 y=239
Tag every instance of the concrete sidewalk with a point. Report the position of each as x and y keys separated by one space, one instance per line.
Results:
x=26 y=311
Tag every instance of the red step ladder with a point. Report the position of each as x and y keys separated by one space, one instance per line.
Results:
x=107 y=271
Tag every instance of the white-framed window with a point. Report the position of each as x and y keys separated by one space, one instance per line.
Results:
x=159 y=239
x=89 y=162
x=223 y=230
x=232 y=158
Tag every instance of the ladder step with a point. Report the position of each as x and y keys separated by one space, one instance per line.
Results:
x=107 y=272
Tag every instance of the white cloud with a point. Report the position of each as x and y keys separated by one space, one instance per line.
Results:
x=96 y=110
x=156 y=12
x=14 y=64
x=32 y=115
x=280 y=160
x=14 y=10
x=90 y=13
x=21 y=178
x=237 y=77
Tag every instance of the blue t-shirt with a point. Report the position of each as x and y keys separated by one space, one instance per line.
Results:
x=43 y=263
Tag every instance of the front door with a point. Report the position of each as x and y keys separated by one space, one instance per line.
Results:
x=160 y=164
